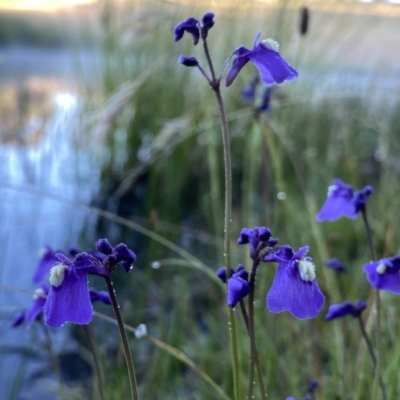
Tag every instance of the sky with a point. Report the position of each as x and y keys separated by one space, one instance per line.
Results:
x=40 y=5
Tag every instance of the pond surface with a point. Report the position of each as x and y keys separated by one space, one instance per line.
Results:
x=42 y=153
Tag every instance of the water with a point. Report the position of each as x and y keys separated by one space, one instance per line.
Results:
x=44 y=149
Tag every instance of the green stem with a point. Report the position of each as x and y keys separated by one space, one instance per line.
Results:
x=124 y=338
x=215 y=85
x=96 y=364
x=378 y=378
x=227 y=234
x=372 y=354
x=254 y=358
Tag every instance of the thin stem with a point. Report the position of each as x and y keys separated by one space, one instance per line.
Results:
x=209 y=62
x=378 y=378
x=257 y=359
x=372 y=354
x=244 y=313
x=369 y=234
x=254 y=359
x=204 y=73
x=124 y=338
x=96 y=364
x=228 y=215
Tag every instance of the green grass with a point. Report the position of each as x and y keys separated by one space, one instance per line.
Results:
x=164 y=171
x=315 y=132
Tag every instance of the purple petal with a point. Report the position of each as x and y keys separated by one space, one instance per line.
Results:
x=238 y=288
x=221 y=273
x=242 y=58
x=35 y=309
x=85 y=262
x=188 y=61
x=388 y=280
x=289 y=292
x=69 y=302
x=272 y=67
x=18 y=319
x=189 y=25
x=46 y=262
x=99 y=296
x=346 y=308
x=300 y=253
x=104 y=246
x=335 y=264
x=207 y=20
x=280 y=254
x=339 y=203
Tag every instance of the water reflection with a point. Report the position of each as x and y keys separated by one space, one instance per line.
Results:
x=42 y=147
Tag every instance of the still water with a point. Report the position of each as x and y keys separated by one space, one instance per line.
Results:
x=44 y=150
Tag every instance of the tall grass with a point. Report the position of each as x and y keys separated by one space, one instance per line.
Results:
x=164 y=170
x=335 y=121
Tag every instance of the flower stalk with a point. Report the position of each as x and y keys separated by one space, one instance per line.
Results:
x=124 y=338
x=377 y=363
x=228 y=216
x=254 y=359
x=96 y=363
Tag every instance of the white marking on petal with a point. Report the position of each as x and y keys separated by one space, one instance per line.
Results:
x=39 y=293
x=381 y=269
x=331 y=189
x=271 y=44
x=57 y=274
x=306 y=270
x=141 y=331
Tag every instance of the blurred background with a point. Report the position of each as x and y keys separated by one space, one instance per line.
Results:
x=96 y=115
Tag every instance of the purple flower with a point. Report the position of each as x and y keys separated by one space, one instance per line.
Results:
x=265 y=56
x=47 y=259
x=188 y=61
x=193 y=26
x=238 y=284
x=346 y=308
x=258 y=94
x=35 y=309
x=294 y=288
x=384 y=274
x=258 y=238
x=207 y=22
x=102 y=296
x=190 y=25
x=119 y=254
x=335 y=264
x=343 y=201
x=69 y=298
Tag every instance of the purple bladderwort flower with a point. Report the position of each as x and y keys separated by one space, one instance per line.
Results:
x=194 y=27
x=346 y=308
x=343 y=201
x=294 y=288
x=257 y=93
x=384 y=274
x=335 y=264
x=35 y=310
x=238 y=284
x=47 y=259
x=69 y=299
x=257 y=238
x=265 y=56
